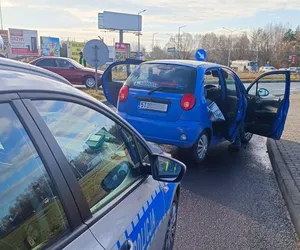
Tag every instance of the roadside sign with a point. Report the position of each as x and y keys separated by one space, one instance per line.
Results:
x=293 y=59
x=96 y=53
x=200 y=55
x=172 y=49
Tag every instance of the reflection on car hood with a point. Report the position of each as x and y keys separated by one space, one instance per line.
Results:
x=92 y=70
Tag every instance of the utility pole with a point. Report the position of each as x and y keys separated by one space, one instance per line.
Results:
x=139 y=29
x=230 y=45
x=178 y=45
x=153 y=40
x=1 y=15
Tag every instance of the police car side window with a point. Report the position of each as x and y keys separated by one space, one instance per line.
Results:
x=144 y=153
x=101 y=153
x=31 y=214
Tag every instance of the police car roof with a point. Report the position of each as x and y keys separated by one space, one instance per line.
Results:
x=16 y=81
x=190 y=63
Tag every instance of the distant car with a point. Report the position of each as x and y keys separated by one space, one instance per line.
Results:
x=294 y=70
x=266 y=69
x=172 y=101
x=69 y=69
x=12 y=65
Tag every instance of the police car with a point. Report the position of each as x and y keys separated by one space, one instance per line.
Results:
x=74 y=175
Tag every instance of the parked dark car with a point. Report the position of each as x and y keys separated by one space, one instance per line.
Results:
x=69 y=69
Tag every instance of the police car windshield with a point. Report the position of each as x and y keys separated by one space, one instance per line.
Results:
x=165 y=77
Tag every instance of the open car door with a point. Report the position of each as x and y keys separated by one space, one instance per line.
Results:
x=114 y=77
x=268 y=104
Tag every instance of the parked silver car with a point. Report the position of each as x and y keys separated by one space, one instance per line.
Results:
x=75 y=175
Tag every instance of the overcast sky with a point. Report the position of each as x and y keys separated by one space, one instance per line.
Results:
x=77 y=19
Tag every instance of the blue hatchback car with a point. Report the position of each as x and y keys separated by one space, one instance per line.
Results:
x=167 y=102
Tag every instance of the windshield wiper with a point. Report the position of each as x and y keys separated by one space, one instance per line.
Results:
x=163 y=88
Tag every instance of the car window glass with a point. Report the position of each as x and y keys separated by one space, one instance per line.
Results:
x=274 y=84
x=144 y=153
x=230 y=83
x=119 y=72
x=211 y=77
x=63 y=64
x=168 y=77
x=101 y=153
x=46 y=63
x=31 y=214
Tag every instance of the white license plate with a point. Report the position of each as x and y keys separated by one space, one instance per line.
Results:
x=153 y=106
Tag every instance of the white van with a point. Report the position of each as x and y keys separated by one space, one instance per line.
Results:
x=244 y=66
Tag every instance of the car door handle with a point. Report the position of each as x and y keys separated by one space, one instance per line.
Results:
x=128 y=245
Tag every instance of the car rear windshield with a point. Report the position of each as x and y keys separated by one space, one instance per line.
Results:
x=167 y=77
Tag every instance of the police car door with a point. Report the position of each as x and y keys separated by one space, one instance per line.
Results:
x=138 y=221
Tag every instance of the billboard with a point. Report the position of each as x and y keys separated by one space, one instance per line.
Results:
x=122 y=51
x=4 y=46
x=134 y=55
x=50 y=46
x=24 y=42
x=119 y=21
x=74 y=48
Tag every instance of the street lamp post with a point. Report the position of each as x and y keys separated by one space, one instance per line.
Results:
x=139 y=42
x=230 y=46
x=179 y=28
x=1 y=15
x=153 y=40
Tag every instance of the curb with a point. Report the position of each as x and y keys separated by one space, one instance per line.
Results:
x=286 y=183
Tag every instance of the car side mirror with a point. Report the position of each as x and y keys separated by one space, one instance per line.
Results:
x=167 y=169
x=262 y=92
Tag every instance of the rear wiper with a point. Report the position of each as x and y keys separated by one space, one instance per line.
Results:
x=163 y=88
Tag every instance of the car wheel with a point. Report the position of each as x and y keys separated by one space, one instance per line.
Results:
x=172 y=223
x=90 y=82
x=246 y=137
x=200 y=148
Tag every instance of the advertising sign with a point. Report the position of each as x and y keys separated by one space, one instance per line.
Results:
x=4 y=47
x=293 y=59
x=122 y=51
x=50 y=46
x=74 y=48
x=23 y=42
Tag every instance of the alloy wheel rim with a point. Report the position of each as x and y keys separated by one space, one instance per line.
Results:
x=202 y=146
x=90 y=82
x=172 y=227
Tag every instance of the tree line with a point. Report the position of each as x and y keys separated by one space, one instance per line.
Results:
x=271 y=44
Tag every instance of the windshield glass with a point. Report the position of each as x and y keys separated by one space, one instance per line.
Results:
x=76 y=64
x=253 y=64
x=167 y=76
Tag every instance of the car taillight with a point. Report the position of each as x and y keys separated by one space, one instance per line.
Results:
x=188 y=101
x=123 y=93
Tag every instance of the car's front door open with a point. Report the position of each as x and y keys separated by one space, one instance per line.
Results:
x=268 y=104
x=114 y=77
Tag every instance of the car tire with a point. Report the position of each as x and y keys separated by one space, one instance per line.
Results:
x=89 y=82
x=246 y=137
x=200 y=148
x=172 y=224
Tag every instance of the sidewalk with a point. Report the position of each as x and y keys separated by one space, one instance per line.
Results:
x=285 y=158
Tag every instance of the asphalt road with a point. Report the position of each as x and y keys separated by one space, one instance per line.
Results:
x=232 y=201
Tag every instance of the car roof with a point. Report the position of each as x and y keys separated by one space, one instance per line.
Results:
x=13 y=81
x=12 y=65
x=189 y=63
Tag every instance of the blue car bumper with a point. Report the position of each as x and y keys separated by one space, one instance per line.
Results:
x=166 y=132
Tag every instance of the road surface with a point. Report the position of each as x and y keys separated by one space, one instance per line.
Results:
x=233 y=202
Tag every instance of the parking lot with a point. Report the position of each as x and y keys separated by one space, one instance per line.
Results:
x=233 y=201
